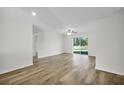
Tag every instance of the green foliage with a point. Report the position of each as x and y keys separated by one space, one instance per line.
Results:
x=80 y=41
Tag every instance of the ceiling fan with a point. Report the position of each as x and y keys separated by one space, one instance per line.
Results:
x=70 y=32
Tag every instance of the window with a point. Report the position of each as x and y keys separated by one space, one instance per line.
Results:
x=80 y=45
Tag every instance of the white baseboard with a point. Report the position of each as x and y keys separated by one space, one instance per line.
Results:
x=49 y=55
x=16 y=68
x=110 y=71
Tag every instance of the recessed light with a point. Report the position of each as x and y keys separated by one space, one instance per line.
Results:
x=33 y=13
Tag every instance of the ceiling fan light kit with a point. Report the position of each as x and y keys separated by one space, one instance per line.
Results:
x=70 y=32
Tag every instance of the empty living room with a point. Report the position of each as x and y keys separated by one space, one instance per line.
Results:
x=61 y=45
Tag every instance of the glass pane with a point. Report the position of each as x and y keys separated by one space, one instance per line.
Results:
x=80 y=45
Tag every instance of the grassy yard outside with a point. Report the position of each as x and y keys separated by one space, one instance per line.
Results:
x=80 y=48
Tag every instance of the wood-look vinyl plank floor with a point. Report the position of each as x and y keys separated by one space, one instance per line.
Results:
x=63 y=69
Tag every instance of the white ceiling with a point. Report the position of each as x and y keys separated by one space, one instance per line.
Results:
x=58 y=19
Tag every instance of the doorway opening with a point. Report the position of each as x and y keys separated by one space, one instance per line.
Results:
x=80 y=45
x=35 y=46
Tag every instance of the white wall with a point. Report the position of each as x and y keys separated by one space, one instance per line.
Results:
x=68 y=42
x=110 y=44
x=92 y=43
x=15 y=39
x=49 y=43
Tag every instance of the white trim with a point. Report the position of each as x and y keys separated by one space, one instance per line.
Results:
x=13 y=69
x=107 y=70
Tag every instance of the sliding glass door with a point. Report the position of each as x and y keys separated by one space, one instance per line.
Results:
x=80 y=45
